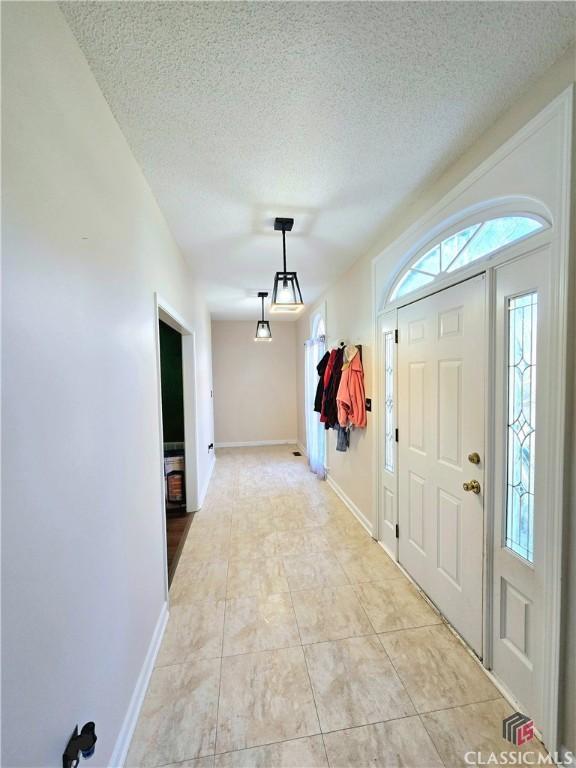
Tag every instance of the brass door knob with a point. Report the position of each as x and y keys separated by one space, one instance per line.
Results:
x=474 y=458
x=473 y=486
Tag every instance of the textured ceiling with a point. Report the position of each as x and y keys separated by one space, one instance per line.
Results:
x=334 y=112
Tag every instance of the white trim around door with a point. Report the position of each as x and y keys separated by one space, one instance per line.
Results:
x=536 y=163
x=163 y=311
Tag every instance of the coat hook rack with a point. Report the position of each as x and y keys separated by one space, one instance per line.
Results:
x=343 y=344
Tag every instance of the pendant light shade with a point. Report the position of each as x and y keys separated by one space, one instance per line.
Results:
x=286 y=295
x=263 y=332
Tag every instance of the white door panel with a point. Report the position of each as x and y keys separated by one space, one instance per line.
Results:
x=441 y=359
x=521 y=365
x=387 y=476
x=449 y=524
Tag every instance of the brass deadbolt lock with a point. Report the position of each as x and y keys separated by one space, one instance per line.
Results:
x=474 y=458
x=473 y=486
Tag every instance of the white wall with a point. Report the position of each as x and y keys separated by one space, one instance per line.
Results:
x=349 y=319
x=568 y=661
x=254 y=383
x=349 y=316
x=84 y=247
x=349 y=300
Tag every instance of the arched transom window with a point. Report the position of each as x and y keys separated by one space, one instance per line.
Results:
x=318 y=326
x=475 y=242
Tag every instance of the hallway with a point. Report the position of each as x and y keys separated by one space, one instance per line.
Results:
x=294 y=641
x=226 y=226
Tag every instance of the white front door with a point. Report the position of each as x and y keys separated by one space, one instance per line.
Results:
x=522 y=389
x=441 y=386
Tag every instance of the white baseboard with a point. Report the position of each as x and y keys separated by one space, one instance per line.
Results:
x=302 y=450
x=127 y=730
x=256 y=443
x=204 y=490
x=493 y=679
x=361 y=517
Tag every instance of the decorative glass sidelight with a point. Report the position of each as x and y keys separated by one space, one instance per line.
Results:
x=522 y=325
x=389 y=428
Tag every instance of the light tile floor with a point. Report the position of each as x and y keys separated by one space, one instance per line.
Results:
x=295 y=642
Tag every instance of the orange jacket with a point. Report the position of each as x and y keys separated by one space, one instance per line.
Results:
x=351 y=398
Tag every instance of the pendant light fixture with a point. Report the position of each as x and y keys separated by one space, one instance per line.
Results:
x=263 y=332
x=286 y=296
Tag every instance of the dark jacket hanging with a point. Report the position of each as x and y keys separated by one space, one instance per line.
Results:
x=321 y=367
x=330 y=405
x=327 y=375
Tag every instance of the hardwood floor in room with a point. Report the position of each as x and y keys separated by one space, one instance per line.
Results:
x=295 y=642
x=177 y=527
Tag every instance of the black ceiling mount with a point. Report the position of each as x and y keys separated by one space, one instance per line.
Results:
x=262 y=294
x=286 y=294
x=283 y=225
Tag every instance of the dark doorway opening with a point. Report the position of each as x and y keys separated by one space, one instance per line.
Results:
x=172 y=390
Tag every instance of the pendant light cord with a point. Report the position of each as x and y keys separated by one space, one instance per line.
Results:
x=284 y=247
x=262 y=297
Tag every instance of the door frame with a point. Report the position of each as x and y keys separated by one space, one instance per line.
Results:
x=318 y=312
x=537 y=163
x=163 y=311
x=552 y=434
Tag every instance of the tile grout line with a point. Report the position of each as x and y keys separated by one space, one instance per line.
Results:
x=418 y=714
x=221 y=663
x=297 y=645
x=332 y=553
x=432 y=741
x=310 y=681
x=322 y=733
x=460 y=706
x=332 y=549
x=354 y=584
x=306 y=645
